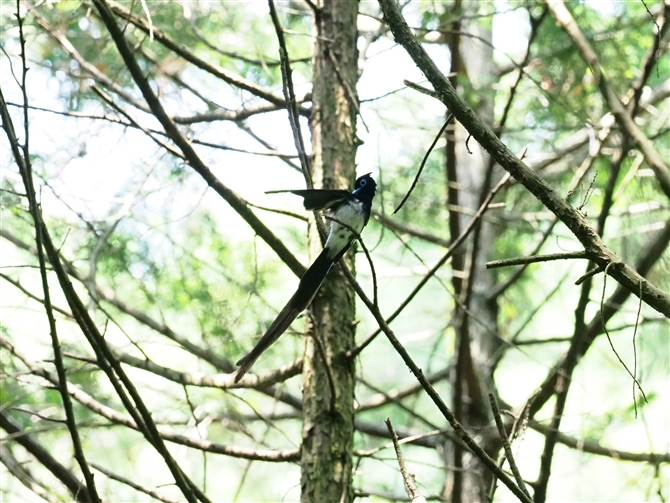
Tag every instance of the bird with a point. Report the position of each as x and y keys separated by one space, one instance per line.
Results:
x=349 y=208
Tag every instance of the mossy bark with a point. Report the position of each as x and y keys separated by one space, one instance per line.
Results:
x=328 y=427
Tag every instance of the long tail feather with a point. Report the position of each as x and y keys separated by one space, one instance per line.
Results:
x=302 y=298
x=311 y=281
x=278 y=327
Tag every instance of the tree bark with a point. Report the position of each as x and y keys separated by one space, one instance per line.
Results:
x=328 y=418
x=469 y=176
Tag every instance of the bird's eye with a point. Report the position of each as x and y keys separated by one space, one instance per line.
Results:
x=363 y=182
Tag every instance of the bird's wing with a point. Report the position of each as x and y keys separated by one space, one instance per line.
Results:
x=317 y=199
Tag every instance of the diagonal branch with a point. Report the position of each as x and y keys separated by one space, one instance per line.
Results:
x=596 y=448
x=455 y=244
x=647 y=259
x=89 y=68
x=79 y=490
x=425 y=384
x=125 y=420
x=21 y=473
x=623 y=118
x=571 y=217
x=651 y=58
x=22 y=158
x=134 y=485
x=223 y=74
x=237 y=203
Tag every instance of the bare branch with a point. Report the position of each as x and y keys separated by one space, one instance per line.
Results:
x=16 y=468
x=237 y=203
x=289 y=97
x=22 y=159
x=625 y=121
x=454 y=246
x=408 y=478
x=78 y=490
x=125 y=420
x=595 y=448
x=91 y=69
x=573 y=219
x=423 y=162
x=132 y=484
x=537 y=258
x=223 y=74
x=506 y=445
x=220 y=381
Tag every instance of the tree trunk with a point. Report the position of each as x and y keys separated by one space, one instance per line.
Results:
x=328 y=426
x=469 y=177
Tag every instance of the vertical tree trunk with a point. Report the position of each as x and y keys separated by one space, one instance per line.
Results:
x=469 y=179
x=328 y=426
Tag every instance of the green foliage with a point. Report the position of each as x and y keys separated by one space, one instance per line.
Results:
x=180 y=257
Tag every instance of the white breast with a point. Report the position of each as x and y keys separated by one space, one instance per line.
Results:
x=339 y=236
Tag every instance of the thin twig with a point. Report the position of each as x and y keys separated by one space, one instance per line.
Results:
x=106 y=98
x=588 y=274
x=574 y=220
x=220 y=381
x=289 y=96
x=609 y=339
x=365 y=250
x=637 y=320
x=421 y=89
x=410 y=229
x=423 y=161
x=594 y=447
x=404 y=440
x=132 y=484
x=351 y=95
x=294 y=118
x=280 y=212
x=398 y=402
x=536 y=258
x=454 y=246
x=651 y=58
x=506 y=445
x=395 y=394
x=23 y=161
x=408 y=478
x=18 y=285
x=535 y=23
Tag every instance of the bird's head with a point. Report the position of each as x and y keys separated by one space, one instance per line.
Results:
x=365 y=188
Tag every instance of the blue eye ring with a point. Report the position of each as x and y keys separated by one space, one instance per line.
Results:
x=363 y=182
